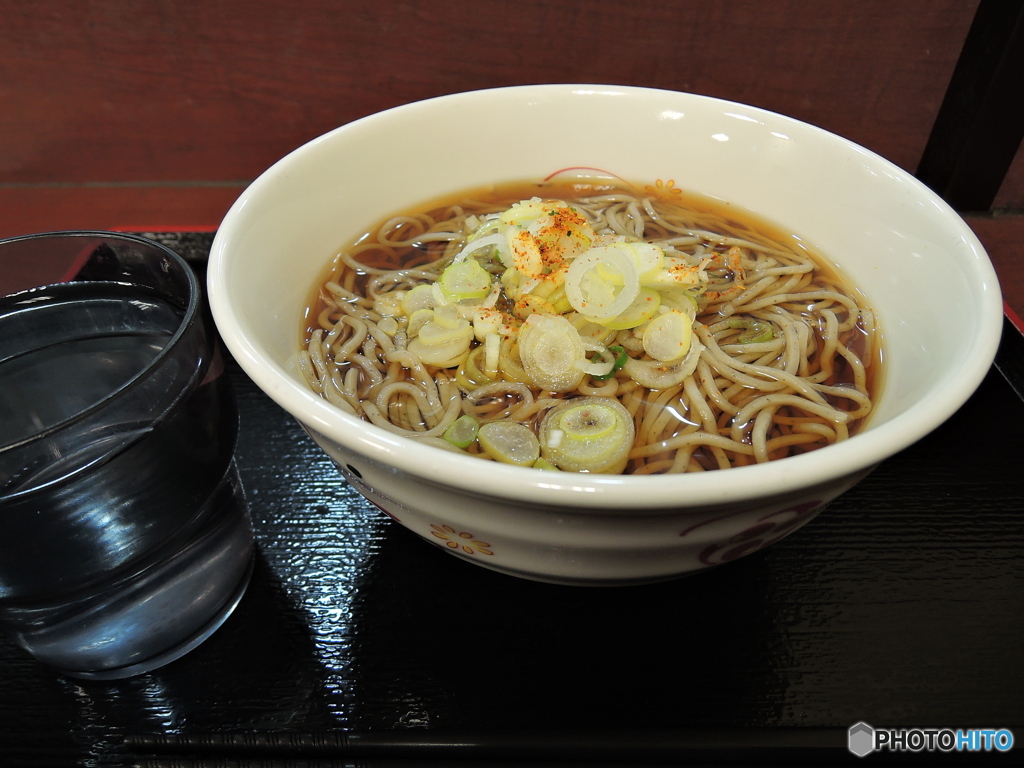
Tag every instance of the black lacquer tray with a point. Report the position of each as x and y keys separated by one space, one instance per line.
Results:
x=901 y=605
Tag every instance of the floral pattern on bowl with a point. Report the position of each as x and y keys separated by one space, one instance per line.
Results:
x=765 y=531
x=460 y=540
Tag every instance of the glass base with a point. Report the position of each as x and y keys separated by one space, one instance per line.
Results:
x=178 y=651
x=158 y=612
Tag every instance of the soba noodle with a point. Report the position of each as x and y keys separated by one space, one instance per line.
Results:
x=756 y=350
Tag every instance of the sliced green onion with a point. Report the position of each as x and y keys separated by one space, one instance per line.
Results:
x=681 y=299
x=620 y=360
x=526 y=254
x=417 y=320
x=419 y=298
x=592 y=279
x=655 y=374
x=675 y=273
x=649 y=258
x=465 y=280
x=549 y=346
x=755 y=331
x=509 y=442
x=543 y=463
x=524 y=213
x=492 y=353
x=667 y=337
x=588 y=434
x=643 y=308
x=448 y=317
x=602 y=361
x=472 y=374
x=439 y=343
x=510 y=366
x=463 y=431
x=436 y=333
x=588 y=421
x=478 y=241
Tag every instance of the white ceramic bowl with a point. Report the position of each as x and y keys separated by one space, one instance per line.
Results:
x=921 y=267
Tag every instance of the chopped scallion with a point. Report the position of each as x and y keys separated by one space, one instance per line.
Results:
x=754 y=331
x=620 y=360
x=462 y=432
x=509 y=442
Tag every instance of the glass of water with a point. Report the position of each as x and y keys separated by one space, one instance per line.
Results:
x=125 y=540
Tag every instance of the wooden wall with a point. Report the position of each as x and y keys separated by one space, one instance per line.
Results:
x=116 y=113
x=215 y=91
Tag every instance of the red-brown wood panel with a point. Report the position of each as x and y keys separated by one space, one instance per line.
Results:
x=1003 y=238
x=24 y=210
x=185 y=90
x=1011 y=193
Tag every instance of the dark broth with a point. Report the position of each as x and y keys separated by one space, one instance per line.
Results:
x=705 y=213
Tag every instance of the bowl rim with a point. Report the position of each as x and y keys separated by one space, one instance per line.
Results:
x=847 y=459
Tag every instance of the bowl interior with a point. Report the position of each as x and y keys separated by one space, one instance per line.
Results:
x=918 y=263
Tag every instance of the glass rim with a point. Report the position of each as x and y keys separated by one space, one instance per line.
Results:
x=190 y=315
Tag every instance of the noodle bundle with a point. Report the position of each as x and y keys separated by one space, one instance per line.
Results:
x=592 y=327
